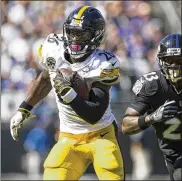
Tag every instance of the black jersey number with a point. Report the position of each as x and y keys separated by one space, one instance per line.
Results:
x=108 y=55
x=54 y=39
x=151 y=76
x=168 y=133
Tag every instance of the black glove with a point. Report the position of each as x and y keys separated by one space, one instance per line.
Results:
x=167 y=110
x=61 y=84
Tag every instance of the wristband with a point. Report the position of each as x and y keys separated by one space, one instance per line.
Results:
x=26 y=106
x=69 y=96
x=142 y=124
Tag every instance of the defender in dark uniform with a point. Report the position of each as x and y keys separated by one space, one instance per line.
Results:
x=158 y=103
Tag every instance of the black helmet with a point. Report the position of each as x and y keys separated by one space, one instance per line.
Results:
x=83 y=31
x=170 y=59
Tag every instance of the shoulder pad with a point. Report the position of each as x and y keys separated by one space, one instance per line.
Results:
x=109 y=68
x=51 y=51
x=147 y=84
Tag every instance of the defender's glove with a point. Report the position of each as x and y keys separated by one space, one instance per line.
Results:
x=17 y=121
x=167 y=110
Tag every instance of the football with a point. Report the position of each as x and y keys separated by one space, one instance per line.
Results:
x=79 y=84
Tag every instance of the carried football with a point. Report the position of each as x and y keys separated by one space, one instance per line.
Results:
x=79 y=84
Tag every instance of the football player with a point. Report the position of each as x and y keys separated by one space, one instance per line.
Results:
x=158 y=103
x=87 y=126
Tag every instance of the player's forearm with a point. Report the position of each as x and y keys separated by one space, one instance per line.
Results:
x=89 y=111
x=93 y=110
x=130 y=124
x=40 y=89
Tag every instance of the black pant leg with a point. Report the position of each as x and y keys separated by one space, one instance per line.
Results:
x=177 y=175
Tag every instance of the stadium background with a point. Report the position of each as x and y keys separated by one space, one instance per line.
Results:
x=133 y=31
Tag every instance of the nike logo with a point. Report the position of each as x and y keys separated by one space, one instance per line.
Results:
x=101 y=135
x=114 y=63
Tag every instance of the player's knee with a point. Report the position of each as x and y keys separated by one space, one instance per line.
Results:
x=177 y=174
x=110 y=168
x=110 y=163
x=106 y=164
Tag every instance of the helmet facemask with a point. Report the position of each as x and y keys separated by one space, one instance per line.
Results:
x=80 y=41
x=171 y=67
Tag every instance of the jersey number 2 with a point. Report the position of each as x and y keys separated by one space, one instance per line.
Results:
x=107 y=55
x=168 y=133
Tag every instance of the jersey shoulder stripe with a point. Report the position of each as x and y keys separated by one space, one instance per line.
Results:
x=109 y=67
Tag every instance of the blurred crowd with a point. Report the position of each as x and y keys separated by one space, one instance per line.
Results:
x=133 y=32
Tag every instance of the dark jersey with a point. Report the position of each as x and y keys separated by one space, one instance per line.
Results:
x=152 y=91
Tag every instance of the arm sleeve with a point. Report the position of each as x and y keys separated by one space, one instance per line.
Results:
x=141 y=104
x=144 y=92
x=110 y=72
x=93 y=110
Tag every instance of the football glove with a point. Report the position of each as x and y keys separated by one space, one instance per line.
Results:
x=17 y=121
x=164 y=112
x=61 y=84
x=72 y=76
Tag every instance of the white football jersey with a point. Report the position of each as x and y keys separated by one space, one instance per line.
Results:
x=100 y=66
